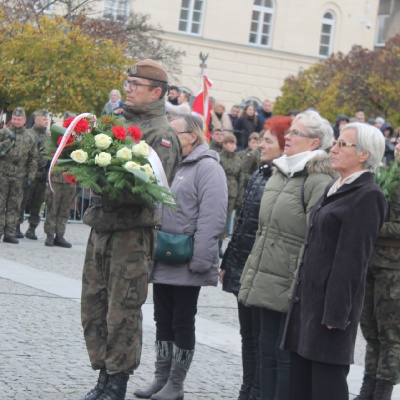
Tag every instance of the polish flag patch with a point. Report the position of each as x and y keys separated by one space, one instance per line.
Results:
x=165 y=143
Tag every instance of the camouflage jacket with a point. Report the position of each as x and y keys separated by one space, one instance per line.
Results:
x=111 y=216
x=215 y=146
x=386 y=252
x=41 y=136
x=231 y=163
x=250 y=162
x=21 y=160
x=157 y=133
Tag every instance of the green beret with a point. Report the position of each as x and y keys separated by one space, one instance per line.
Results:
x=148 y=69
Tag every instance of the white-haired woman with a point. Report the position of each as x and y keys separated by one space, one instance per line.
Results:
x=201 y=193
x=301 y=176
x=329 y=289
x=115 y=105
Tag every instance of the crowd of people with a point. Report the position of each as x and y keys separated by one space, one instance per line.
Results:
x=314 y=239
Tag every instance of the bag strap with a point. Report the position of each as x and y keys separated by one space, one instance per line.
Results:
x=302 y=195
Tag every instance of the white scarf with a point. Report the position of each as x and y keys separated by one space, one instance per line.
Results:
x=296 y=163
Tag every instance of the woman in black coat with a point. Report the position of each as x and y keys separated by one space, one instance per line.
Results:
x=329 y=289
x=271 y=146
x=245 y=126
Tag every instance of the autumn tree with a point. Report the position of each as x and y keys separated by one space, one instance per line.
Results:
x=342 y=84
x=54 y=65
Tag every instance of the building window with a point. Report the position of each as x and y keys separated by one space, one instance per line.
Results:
x=261 y=22
x=191 y=17
x=382 y=30
x=116 y=10
x=325 y=45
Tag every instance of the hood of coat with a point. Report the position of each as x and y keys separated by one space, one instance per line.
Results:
x=321 y=164
x=199 y=152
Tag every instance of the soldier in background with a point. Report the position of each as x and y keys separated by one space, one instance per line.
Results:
x=380 y=318
x=120 y=247
x=231 y=163
x=250 y=157
x=58 y=204
x=217 y=136
x=34 y=196
x=18 y=156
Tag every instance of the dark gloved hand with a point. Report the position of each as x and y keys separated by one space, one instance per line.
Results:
x=27 y=183
x=13 y=137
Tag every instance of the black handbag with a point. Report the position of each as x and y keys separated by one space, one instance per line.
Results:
x=173 y=248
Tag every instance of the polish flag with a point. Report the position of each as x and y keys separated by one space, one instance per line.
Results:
x=202 y=105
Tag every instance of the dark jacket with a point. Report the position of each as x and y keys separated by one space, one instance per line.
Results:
x=262 y=116
x=244 y=128
x=390 y=143
x=244 y=235
x=330 y=283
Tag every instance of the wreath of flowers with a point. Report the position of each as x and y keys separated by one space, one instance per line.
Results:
x=108 y=158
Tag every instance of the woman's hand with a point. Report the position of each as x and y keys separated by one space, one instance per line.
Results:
x=221 y=275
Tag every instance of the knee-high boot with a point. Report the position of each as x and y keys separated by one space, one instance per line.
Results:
x=173 y=389
x=163 y=367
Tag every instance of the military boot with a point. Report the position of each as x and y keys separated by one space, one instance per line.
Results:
x=383 y=390
x=163 y=366
x=10 y=239
x=116 y=387
x=30 y=233
x=49 y=240
x=173 y=389
x=98 y=390
x=61 y=242
x=19 y=234
x=367 y=388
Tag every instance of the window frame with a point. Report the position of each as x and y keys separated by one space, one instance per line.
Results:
x=189 y=21
x=262 y=10
x=331 y=22
x=114 y=15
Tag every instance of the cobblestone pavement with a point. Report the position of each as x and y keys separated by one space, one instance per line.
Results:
x=42 y=352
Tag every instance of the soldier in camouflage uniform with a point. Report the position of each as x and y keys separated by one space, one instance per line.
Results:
x=34 y=196
x=121 y=245
x=217 y=135
x=380 y=318
x=58 y=204
x=231 y=163
x=250 y=157
x=18 y=165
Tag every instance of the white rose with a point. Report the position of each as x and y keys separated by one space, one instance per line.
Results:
x=147 y=170
x=125 y=153
x=102 y=141
x=131 y=165
x=103 y=159
x=79 y=156
x=141 y=149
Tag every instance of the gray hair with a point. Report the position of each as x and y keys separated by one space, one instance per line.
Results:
x=117 y=92
x=368 y=138
x=193 y=123
x=316 y=127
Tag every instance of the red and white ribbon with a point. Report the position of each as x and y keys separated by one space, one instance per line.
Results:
x=66 y=136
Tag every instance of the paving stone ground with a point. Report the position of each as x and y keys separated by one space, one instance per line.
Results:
x=42 y=352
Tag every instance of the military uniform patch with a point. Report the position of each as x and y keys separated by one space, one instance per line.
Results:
x=133 y=70
x=165 y=143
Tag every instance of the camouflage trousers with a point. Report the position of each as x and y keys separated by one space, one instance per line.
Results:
x=380 y=324
x=33 y=200
x=11 y=194
x=58 y=205
x=114 y=288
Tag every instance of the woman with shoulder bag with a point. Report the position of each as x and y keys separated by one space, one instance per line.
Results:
x=201 y=194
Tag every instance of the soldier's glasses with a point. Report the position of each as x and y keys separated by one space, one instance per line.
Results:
x=133 y=85
x=180 y=133
x=342 y=143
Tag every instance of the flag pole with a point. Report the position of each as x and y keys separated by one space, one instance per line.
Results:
x=203 y=66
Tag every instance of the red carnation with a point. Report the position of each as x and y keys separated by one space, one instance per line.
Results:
x=82 y=126
x=70 y=178
x=68 y=121
x=119 y=132
x=70 y=140
x=135 y=133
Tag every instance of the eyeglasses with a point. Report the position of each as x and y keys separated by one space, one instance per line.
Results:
x=295 y=132
x=342 y=143
x=180 y=133
x=133 y=85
